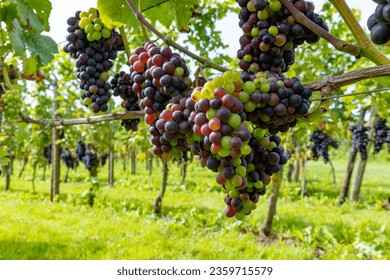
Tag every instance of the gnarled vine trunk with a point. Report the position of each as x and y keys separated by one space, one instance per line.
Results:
x=276 y=184
x=159 y=198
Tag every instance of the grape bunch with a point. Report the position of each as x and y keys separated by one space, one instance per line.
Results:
x=122 y=85
x=274 y=101
x=379 y=22
x=244 y=158
x=46 y=152
x=10 y=103
x=80 y=150
x=68 y=158
x=360 y=139
x=171 y=130
x=271 y=34
x=320 y=144
x=89 y=159
x=382 y=135
x=158 y=74
x=94 y=52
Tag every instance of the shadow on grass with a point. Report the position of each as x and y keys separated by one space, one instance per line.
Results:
x=25 y=250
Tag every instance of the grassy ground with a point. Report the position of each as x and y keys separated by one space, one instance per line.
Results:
x=122 y=225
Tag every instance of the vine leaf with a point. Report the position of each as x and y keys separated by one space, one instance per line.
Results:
x=42 y=46
x=17 y=38
x=117 y=13
x=34 y=14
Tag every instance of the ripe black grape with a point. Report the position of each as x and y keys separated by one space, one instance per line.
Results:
x=379 y=23
x=382 y=135
x=360 y=139
x=320 y=145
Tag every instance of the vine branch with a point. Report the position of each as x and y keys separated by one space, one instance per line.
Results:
x=169 y=41
x=338 y=81
x=336 y=42
x=329 y=83
x=88 y=120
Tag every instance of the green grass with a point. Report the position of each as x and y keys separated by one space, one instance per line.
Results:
x=122 y=225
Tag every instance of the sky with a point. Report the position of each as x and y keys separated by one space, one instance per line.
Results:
x=229 y=26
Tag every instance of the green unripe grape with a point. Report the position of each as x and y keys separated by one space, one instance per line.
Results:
x=250 y=106
x=104 y=76
x=275 y=6
x=234 y=193
x=89 y=28
x=234 y=120
x=250 y=167
x=259 y=133
x=96 y=35
x=97 y=27
x=262 y=15
x=97 y=20
x=271 y=146
x=106 y=33
x=240 y=170
x=178 y=72
x=87 y=101
x=83 y=22
x=83 y=15
x=229 y=87
x=273 y=30
x=218 y=81
x=255 y=31
x=92 y=11
x=229 y=186
x=258 y=184
x=247 y=204
x=228 y=76
x=236 y=76
x=236 y=180
x=246 y=211
x=211 y=113
x=243 y=96
x=265 y=87
x=224 y=152
x=236 y=162
x=249 y=87
x=246 y=149
x=225 y=142
x=247 y=58
x=239 y=216
x=90 y=37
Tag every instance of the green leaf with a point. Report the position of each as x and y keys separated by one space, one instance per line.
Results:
x=17 y=38
x=117 y=12
x=34 y=14
x=30 y=66
x=8 y=13
x=42 y=46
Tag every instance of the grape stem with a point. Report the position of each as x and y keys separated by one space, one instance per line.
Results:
x=368 y=49
x=168 y=41
x=144 y=31
x=339 y=44
x=125 y=42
